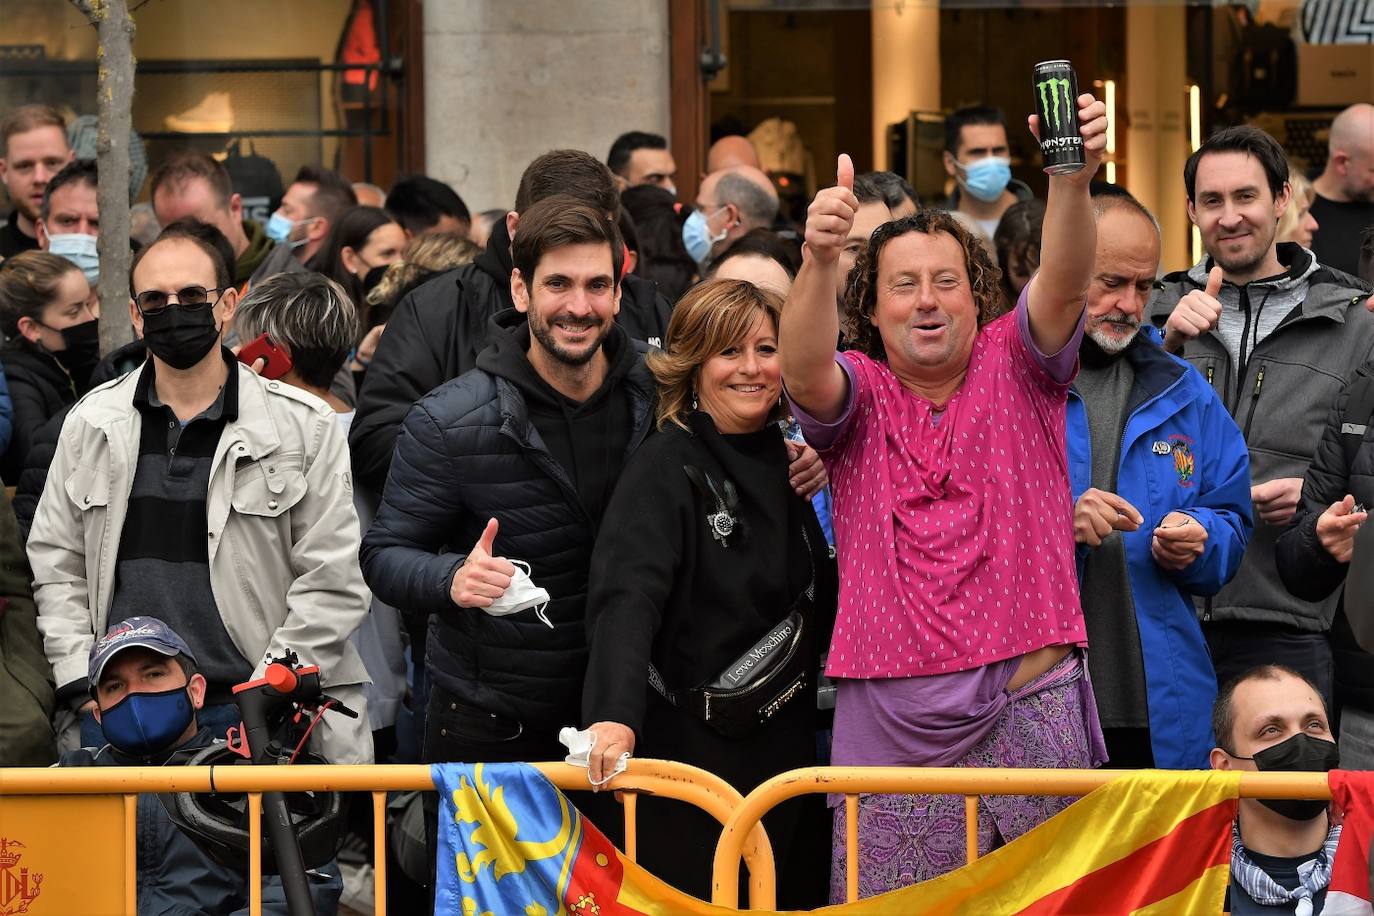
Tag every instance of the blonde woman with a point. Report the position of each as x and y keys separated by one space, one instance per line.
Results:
x=1297 y=223
x=712 y=591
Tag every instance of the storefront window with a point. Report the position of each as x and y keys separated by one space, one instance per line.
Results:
x=263 y=85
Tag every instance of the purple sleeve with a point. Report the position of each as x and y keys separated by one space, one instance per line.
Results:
x=1059 y=367
x=821 y=435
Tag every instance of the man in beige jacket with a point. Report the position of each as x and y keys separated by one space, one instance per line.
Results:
x=219 y=501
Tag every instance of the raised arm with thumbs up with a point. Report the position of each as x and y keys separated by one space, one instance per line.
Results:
x=482 y=578
x=1196 y=314
x=810 y=323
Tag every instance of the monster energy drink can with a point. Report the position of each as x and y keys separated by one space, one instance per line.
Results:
x=1056 y=101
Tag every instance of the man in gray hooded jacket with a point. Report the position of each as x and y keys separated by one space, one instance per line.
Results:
x=1276 y=334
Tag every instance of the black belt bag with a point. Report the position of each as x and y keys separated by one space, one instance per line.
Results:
x=752 y=689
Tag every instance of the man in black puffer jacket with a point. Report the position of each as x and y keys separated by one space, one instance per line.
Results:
x=439 y=328
x=1313 y=553
x=517 y=457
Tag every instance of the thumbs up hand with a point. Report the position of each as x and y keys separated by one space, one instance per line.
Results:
x=831 y=216
x=483 y=578
x=1196 y=314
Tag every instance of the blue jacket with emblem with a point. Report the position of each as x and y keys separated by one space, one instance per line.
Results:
x=1172 y=403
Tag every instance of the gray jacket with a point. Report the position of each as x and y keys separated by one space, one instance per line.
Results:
x=1279 y=392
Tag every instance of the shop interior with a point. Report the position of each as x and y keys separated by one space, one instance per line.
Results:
x=307 y=84
x=875 y=79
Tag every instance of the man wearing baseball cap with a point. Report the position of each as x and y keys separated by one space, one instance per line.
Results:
x=146 y=688
x=144 y=682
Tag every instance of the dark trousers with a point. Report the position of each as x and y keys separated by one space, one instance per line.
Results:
x=1238 y=646
x=1128 y=749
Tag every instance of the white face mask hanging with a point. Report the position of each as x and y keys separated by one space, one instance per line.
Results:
x=521 y=595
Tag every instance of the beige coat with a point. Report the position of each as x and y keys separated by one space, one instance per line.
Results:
x=282 y=537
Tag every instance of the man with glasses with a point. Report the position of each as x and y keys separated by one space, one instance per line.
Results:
x=729 y=203
x=218 y=501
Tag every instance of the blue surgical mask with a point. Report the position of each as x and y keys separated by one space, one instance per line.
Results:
x=144 y=724
x=78 y=248
x=279 y=229
x=696 y=236
x=986 y=178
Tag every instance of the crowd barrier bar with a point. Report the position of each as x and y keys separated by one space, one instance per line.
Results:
x=970 y=782
x=663 y=778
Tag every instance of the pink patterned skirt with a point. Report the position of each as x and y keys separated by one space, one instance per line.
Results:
x=905 y=839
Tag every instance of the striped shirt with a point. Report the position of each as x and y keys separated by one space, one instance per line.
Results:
x=163 y=568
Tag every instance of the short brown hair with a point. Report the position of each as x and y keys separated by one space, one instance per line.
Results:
x=186 y=165
x=559 y=221
x=223 y=279
x=1224 y=713
x=710 y=318
x=26 y=118
x=861 y=293
x=570 y=172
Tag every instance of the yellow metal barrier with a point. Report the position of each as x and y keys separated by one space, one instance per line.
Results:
x=122 y=785
x=968 y=782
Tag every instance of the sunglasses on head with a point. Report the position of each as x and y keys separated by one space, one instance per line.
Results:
x=190 y=297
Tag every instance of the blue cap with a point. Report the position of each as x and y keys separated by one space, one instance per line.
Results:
x=145 y=632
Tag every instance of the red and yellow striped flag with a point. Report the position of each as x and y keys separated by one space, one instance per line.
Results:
x=1153 y=843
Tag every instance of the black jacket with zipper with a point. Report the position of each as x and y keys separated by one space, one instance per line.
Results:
x=469 y=452
x=1280 y=397
x=1304 y=564
x=437 y=331
x=39 y=390
x=43 y=444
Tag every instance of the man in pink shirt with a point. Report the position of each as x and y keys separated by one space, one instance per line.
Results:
x=959 y=635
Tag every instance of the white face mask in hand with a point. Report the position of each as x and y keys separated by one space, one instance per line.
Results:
x=521 y=594
x=579 y=744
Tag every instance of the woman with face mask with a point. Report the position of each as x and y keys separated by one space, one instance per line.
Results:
x=712 y=581
x=363 y=243
x=48 y=313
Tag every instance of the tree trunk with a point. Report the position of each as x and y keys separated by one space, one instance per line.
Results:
x=115 y=96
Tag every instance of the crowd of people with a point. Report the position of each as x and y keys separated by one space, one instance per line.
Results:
x=912 y=484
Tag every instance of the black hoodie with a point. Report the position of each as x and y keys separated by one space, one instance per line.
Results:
x=589 y=438
x=435 y=335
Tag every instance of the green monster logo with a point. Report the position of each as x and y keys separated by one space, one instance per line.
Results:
x=1049 y=98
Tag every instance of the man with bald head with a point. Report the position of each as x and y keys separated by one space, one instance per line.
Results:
x=729 y=203
x=728 y=152
x=1344 y=206
x=1161 y=487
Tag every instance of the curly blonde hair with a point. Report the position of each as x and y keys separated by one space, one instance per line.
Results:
x=709 y=319
x=861 y=291
x=431 y=253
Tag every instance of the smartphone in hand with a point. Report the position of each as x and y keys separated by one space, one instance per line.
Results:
x=277 y=362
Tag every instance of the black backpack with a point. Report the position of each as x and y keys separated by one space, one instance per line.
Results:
x=255 y=179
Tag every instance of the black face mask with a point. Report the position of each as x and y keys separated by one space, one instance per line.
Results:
x=1301 y=753
x=82 y=352
x=373 y=277
x=180 y=337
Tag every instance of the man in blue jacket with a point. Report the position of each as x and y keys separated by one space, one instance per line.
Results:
x=1161 y=487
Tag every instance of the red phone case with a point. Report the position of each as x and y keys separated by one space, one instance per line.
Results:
x=278 y=363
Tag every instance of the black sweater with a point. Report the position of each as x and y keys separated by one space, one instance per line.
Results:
x=664 y=589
